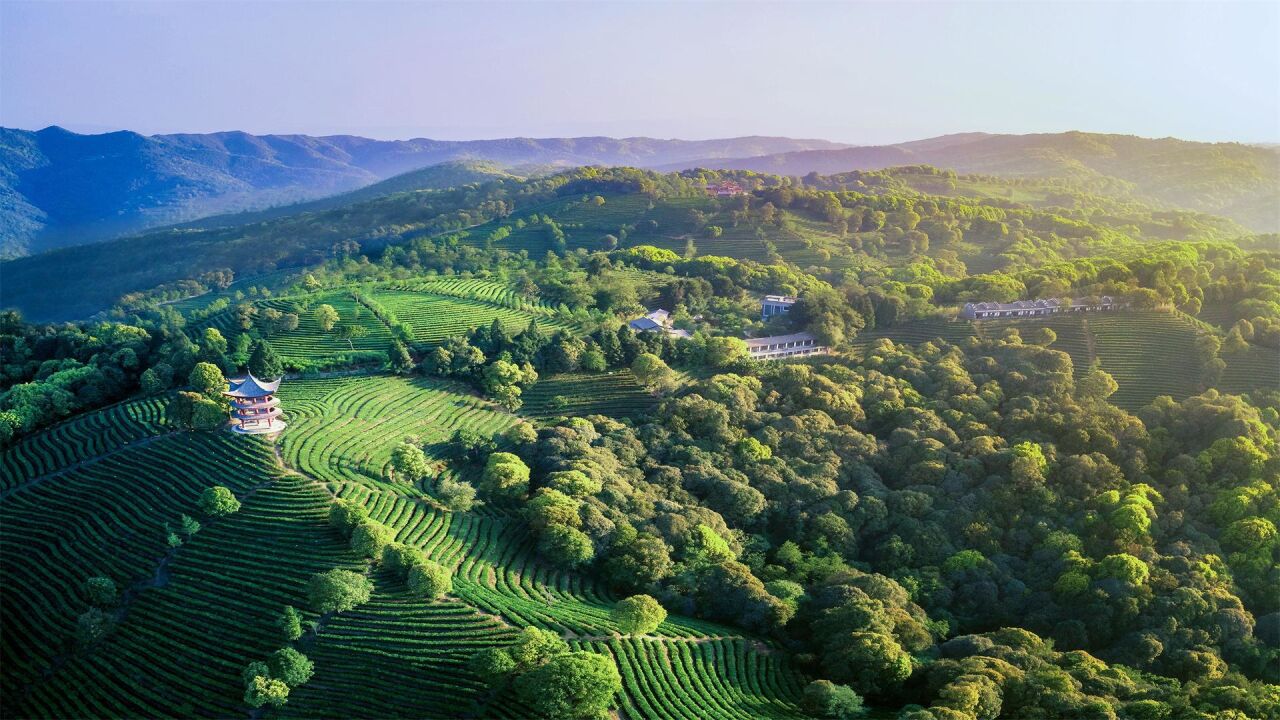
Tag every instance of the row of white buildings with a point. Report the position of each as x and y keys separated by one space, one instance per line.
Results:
x=1039 y=308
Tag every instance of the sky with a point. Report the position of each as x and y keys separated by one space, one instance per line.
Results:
x=864 y=73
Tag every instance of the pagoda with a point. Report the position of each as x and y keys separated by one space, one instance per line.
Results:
x=254 y=405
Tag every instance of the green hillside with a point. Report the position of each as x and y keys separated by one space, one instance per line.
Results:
x=493 y=497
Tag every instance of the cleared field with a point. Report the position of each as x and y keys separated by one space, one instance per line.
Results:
x=80 y=438
x=575 y=394
x=102 y=518
x=343 y=429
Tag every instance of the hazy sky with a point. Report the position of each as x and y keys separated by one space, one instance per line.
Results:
x=854 y=72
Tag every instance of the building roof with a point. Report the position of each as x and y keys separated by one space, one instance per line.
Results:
x=644 y=324
x=760 y=342
x=1042 y=303
x=251 y=387
x=785 y=299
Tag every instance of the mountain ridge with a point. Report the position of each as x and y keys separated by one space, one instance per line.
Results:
x=1235 y=180
x=62 y=188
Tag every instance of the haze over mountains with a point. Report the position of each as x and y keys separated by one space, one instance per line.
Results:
x=61 y=188
x=1241 y=182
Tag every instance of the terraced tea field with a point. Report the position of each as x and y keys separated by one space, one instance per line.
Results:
x=343 y=429
x=395 y=655
x=1256 y=368
x=80 y=438
x=195 y=615
x=576 y=394
x=183 y=644
x=677 y=679
x=309 y=343
x=105 y=517
x=435 y=317
x=1149 y=354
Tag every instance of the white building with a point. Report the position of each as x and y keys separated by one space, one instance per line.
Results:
x=1038 y=308
x=777 y=347
x=657 y=321
x=772 y=305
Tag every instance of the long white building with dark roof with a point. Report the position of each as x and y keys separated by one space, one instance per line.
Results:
x=1038 y=308
x=776 y=347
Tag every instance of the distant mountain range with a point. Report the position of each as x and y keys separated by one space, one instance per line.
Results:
x=59 y=188
x=1241 y=182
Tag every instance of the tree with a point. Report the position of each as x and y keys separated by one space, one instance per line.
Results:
x=290 y=623
x=1043 y=336
x=574 y=483
x=430 y=579
x=351 y=332
x=264 y=363
x=369 y=538
x=552 y=507
x=290 y=666
x=502 y=381
x=338 y=590
x=826 y=699
x=261 y=690
x=152 y=383
x=566 y=546
x=872 y=661
x=492 y=665
x=505 y=475
x=638 y=614
x=457 y=495
x=1097 y=384
x=572 y=685
x=101 y=591
x=399 y=359
x=725 y=351
x=409 y=462
x=650 y=371
x=207 y=379
x=91 y=626
x=326 y=317
x=345 y=516
x=218 y=501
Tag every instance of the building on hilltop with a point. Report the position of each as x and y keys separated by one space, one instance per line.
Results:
x=657 y=321
x=777 y=347
x=771 y=305
x=1039 y=308
x=254 y=405
x=724 y=188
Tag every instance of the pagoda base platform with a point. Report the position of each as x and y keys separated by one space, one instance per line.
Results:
x=258 y=429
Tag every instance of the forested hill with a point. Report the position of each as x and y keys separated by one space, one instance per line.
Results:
x=1241 y=182
x=61 y=188
x=826 y=224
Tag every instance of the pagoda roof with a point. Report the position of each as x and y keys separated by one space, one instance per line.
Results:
x=251 y=387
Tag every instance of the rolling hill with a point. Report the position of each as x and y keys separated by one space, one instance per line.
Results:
x=61 y=188
x=1241 y=182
